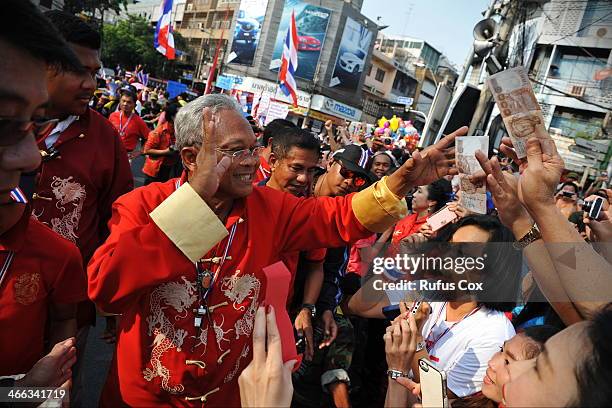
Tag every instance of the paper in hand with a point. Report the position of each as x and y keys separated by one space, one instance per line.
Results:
x=518 y=105
x=473 y=197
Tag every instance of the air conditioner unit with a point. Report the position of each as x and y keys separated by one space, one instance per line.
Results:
x=576 y=90
x=201 y=26
x=190 y=7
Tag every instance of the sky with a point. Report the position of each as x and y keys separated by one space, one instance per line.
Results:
x=445 y=24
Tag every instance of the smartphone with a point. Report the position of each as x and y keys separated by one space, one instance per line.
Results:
x=433 y=385
x=440 y=218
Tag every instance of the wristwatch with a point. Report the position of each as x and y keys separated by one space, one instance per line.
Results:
x=531 y=236
x=312 y=308
x=420 y=346
x=395 y=374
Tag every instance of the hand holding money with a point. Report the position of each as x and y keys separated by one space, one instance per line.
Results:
x=519 y=107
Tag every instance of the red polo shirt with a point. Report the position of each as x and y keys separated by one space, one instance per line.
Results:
x=263 y=172
x=161 y=138
x=46 y=269
x=407 y=226
x=130 y=128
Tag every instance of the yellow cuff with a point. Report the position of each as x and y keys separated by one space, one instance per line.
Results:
x=377 y=208
x=188 y=222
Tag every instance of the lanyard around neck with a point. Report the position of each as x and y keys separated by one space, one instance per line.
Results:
x=122 y=128
x=7 y=264
x=431 y=343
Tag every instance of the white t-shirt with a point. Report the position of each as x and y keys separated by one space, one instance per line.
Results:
x=465 y=350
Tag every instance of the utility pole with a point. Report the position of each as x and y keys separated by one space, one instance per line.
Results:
x=500 y=52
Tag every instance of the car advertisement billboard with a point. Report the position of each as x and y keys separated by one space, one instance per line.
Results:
x=247 y=31
x=352 y=56
x=311 y=23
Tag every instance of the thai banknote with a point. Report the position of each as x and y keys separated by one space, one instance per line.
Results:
x=518 y=105
x=473 y=197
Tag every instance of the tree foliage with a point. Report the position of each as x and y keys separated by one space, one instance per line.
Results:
x=91 y=6
x=130 y=42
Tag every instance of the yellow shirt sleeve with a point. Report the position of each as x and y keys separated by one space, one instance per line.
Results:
x=377 y=208
x=189 y=223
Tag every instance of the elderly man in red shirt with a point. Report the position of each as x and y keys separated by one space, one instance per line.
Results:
x=41 y=276
x=184 y=259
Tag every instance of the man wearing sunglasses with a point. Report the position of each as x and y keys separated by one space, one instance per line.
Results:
x=41 y=276
x=184 y=260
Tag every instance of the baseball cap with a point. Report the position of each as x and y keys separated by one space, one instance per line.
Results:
x=355 y=159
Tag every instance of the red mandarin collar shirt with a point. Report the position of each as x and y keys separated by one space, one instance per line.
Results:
x=75 y=190
x=161 y=358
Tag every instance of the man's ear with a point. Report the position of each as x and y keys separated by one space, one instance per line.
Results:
x=273 y=161
x=189 y=157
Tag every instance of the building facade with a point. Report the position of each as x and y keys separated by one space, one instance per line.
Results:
x=568 y=52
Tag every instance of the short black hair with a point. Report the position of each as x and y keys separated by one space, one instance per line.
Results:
x=289 y=138
x=26 y=28
x=128 y=93
x=275 y=128
x=74 y=29
x=440 y=192
x=171 y=111
x=594 y=374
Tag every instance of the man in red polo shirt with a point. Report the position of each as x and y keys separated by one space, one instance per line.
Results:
x=41 y=276
x=130 y=126
x=188 y=279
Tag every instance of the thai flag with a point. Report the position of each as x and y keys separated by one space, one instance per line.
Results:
x=17 y=196
x=164 y=41
x=289 y=62
x=143 y=78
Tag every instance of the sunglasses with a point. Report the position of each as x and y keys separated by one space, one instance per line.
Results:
x=12 y=131
x=358 y=181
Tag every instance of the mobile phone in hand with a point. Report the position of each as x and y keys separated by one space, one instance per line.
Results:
x=440 y=218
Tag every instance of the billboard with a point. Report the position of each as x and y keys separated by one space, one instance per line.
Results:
x=352 y=56
x=311 y=23
x=247 y=31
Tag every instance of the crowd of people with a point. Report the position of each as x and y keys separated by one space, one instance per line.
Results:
x=176 y=266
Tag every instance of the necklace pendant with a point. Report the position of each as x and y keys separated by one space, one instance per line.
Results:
x=206 y=280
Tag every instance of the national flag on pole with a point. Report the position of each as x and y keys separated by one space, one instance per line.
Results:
x=289 y=62
x=17 y=196
x=164 y=41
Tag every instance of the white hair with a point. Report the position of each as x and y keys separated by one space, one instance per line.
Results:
x=188 y=121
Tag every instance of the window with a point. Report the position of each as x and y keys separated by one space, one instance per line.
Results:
x=380 y=75
x=369 y=70
x=578 y=65
x=577 y=123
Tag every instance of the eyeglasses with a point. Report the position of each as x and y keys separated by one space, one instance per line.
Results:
x=358 y=180
x=241 y=155
x=12 y=130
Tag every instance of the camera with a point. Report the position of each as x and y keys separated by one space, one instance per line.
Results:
x=387 y=140
x=593 y=208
